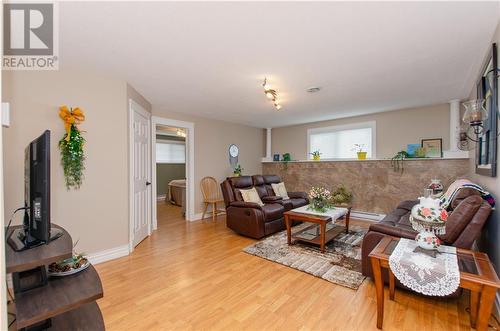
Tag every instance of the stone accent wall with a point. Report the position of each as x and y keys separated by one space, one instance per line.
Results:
x=375 y=185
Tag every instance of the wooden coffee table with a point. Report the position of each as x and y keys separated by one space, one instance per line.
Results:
x=317 y=233
x=476 y=275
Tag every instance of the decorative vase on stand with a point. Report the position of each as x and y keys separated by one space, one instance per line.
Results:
x=429 y=219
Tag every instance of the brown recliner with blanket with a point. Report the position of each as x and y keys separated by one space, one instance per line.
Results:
x=251 y=219
x=468 y=213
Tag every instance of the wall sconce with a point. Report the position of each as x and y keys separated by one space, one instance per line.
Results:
x=474 y=117
x=271 y=94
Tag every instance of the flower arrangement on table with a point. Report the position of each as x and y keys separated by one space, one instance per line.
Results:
x=320 y=199
x=71 y=146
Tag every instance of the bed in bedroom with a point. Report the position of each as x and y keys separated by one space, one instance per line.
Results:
x=177 y=193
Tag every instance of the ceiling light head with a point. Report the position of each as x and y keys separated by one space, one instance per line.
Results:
x=313 y=89
x=270 y=94
x=278 y=106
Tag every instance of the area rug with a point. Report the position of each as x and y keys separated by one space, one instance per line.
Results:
x=340 y=264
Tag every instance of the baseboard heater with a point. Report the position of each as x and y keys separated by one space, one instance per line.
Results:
x=374 y=217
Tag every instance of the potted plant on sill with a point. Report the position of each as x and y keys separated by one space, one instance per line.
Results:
x=359 y=150
x=316 y=155
x=237 y=171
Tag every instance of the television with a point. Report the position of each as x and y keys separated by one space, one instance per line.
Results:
x=36 y=228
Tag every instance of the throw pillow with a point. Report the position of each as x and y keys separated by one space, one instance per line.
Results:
x=251 y=195
x=280 y=190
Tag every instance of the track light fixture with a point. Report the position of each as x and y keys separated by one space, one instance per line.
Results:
x=271 y=94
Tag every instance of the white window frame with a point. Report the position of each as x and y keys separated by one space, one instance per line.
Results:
x=335 y=128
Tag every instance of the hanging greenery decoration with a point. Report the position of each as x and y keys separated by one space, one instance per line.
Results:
x=71 y=146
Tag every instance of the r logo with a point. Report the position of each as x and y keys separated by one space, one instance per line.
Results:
x=28 y=29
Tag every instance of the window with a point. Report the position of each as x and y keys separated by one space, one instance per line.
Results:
x=168 y=151
x=337 y=142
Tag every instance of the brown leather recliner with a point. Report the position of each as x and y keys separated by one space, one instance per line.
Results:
x=250 y=219
x=467 y=215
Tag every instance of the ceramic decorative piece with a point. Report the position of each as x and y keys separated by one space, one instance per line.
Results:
x=437 y=188
x=429 y=219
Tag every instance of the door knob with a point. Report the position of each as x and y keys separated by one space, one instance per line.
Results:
x=148 y=183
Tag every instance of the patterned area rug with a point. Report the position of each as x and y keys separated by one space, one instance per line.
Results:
x=340 y=264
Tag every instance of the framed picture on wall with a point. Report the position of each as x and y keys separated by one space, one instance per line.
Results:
x=433 y=147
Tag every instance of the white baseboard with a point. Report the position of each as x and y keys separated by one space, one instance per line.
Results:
x=108 y=254
x=197 y=217
x=161 y=197
x=366 y=216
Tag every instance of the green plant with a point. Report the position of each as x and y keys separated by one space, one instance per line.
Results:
x=238 y=170
x=358 y=148
x=397 y=161
x=315 y=154
x=72 y=158
x=341 y=195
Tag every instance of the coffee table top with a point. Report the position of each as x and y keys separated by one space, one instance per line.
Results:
x=302 y=213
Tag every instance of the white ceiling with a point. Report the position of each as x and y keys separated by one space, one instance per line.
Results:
x=209 y=59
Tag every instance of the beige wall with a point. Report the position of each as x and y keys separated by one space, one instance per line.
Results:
x=97 y=213
x=491 y=237
x=212 y=140
x=395 y=129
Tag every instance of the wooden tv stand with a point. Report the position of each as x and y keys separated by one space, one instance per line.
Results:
x=69 y=302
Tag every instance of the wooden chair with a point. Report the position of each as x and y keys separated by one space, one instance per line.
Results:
x=211 y=196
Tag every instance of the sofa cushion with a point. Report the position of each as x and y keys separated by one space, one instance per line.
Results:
x=462 y=194
x=272 y=211
x=460 y=217
x=270 y=179
x=280 y=190
x=251 y=195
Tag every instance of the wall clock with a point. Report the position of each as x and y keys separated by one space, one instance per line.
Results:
x=234 y=151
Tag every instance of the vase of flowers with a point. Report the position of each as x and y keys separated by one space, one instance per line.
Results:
x=359 y=151
x=320 y=199
x=316 y=155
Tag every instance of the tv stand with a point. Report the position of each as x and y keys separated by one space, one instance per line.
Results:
x=67 y=303
x=20 y=239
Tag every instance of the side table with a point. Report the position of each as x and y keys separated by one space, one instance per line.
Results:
x=476 y=275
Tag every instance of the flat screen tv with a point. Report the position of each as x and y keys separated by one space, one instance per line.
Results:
x=36 y=226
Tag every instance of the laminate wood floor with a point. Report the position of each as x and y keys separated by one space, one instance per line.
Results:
x=195 y=276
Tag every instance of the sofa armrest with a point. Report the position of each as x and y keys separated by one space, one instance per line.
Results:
x=392 y=230
x=298 y=195
x=271 y=199
x=242 y=204
x=407 y=204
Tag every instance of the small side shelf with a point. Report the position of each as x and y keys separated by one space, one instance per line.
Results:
x=85 y=318
x=57 y=250
x=60 y=295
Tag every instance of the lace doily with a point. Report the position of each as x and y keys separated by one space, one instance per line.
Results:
x=424 y=274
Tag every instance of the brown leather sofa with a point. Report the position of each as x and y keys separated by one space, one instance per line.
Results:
x=250 y=219
x=467 y=214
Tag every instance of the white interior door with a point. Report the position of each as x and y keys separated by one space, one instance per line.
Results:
x=141 y=164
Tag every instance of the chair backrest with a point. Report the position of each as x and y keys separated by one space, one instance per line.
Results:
x=210 y=188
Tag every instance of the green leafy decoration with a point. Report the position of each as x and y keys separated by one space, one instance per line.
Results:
x=72 y=158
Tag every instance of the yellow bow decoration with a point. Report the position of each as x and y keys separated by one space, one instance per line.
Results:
x=70 y=117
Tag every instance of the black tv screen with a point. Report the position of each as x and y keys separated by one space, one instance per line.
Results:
x=37 y=188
